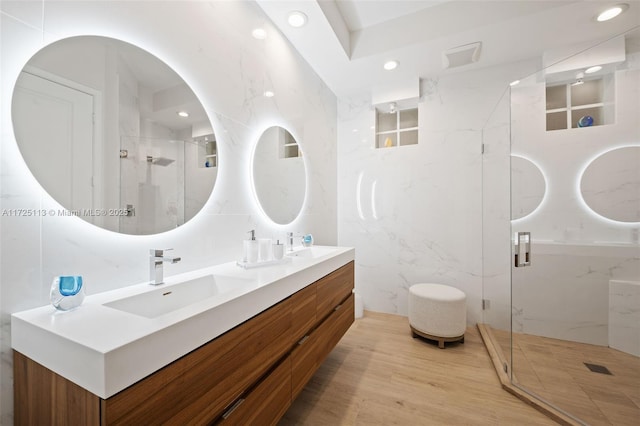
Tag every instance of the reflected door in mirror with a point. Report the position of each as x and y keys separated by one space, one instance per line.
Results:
x=60 y=120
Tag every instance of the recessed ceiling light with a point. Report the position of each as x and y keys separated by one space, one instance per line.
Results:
x=296 y=19
x=612 y=12
x=593 y=69
x=269 y=94
x=390 y=65
x=514 y=83
x=259 y=33
x=183 y=114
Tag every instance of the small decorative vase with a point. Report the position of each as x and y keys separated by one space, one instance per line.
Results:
x=307 y=240
x=585 y=121
x=67 y=292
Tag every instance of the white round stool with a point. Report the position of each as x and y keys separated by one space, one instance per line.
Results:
x=437 y=312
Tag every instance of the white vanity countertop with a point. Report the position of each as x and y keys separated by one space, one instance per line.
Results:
x=105 y=350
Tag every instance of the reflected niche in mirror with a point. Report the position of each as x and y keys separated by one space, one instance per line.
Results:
x=114 y=135
x=279 y=176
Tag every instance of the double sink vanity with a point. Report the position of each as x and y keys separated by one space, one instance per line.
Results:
x=218 y=345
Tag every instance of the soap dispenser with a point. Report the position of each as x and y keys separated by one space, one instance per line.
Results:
x=250 y=248
x=278 y=250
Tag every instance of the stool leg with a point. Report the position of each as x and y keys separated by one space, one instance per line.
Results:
x=441 y=343
x=462 y=340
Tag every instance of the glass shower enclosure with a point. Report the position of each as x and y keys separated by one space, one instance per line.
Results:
x=151 y=184
x=561 y=219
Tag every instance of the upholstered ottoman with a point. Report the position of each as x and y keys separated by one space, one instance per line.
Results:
x=437 y=312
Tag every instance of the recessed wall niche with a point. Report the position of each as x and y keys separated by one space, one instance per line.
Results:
x=579 y=102
x=396 y=127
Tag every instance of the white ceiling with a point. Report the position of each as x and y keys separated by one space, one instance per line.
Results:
x=347 y=41
x=362 y=14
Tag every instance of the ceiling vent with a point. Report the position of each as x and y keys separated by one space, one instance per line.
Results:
x=461 y=55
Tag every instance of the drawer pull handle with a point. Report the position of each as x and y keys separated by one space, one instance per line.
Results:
x=304 y=339
x=337 y=308
x=233 y=408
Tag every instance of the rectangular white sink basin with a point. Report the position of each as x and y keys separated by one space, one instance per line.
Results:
x=312 y=252
x=170 y=298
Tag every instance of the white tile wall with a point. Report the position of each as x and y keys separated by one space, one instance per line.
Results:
x=624 y=316
x=414 y=213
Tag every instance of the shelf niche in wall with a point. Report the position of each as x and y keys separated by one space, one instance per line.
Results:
x=568 y=102
x=396 y=128
x=207 y=151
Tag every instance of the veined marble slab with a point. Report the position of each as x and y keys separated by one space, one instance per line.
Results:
x=624 y=316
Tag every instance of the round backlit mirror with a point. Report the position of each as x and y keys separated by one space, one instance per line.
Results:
x=114 y=135
x=279 y=177
x=527 y=187
x=610 y=185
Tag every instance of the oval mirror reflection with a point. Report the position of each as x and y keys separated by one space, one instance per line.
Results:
x=114 y=135
x=610 y=185
x=279 y=177
x=527 y=187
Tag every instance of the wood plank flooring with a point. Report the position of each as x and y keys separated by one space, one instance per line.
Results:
x=554 y=369
x=379 y=375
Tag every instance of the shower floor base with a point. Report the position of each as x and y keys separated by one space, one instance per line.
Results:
x=556 y=371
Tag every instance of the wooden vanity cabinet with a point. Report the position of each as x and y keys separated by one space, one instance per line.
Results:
x=266 y=403
x=199 y=386
x=248 y=375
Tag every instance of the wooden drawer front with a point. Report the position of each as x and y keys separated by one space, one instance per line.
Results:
x=333 y=289
x=303 y=312
x=332 y=330
x=42 y=397
x=266 y=403
x=309 y=354
x=196 y=388
x=304 y=362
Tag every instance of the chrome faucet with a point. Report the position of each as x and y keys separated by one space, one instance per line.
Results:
x=290 y=237
x=156 y=262
x=289 y=241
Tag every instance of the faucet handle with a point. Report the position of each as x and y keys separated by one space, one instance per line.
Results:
x=158 y=252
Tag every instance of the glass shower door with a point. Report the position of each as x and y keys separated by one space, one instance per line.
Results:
x=151 y=185
x=575 y=214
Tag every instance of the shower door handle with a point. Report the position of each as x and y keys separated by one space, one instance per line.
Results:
x=522 y=249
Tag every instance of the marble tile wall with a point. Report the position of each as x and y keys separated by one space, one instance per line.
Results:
x=211 y=47
x=624 y=316
x=414 y=213
x=564 y=294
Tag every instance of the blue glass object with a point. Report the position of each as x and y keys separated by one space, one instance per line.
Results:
x=585 y=121
x=70 y=285
x=67 y=292
x=307 y=240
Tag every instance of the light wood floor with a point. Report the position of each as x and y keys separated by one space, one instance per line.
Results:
x=379 y=375
x=554 y=369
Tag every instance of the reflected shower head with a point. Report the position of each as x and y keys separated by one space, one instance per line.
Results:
x=159 y=161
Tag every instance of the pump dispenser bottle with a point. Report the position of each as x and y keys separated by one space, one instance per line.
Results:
x=250 y=248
